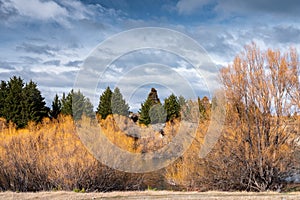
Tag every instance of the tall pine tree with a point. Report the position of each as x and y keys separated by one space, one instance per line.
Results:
x=81 y=106
x=34 y=106
x=21 y=103
x=13 y=103
x=144 y=117
x=172 y=107
x=56 y=107
x=118 y=104
x=3 y=94
x=151 y=110
x=76 y=105
x=66 y=103
x=104 y=106
x=157 y=114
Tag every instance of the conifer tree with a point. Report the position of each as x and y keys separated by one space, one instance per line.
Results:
x=56 y=107
x=181 y=101
x=88 y=108
x=76 y=105
x=151 y=110
x=34 y=106
x=66 y=103
x=21 y=103
x=184 y=108
x=144 y=117
x=104 y=106
x=13 y=103
x=81 y=106
x=172 y=107
x=3 y=94
x=157 y=114
x=118 y=104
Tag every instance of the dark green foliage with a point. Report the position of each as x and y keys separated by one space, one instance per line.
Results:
x=181 y=101
x=104 y=107
x=3 y=94
x=66 y=104
x=76 y=105
x=12 y=110
x=88 y=108
x=172 y=107
x=34 y=105
x=56 y=107
x=144 y=117
x=21 y=104
x=118 y=104
x=81 y=106
x=157 y=114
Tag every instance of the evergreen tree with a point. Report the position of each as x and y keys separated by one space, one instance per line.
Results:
x=144 y=117
x=157 y=114
x=104 y=106
x=88 y=108
x=3 y=94
x=151 y=110
x=172 y=106
x=181 y=101
x=12 y=110
x=56 y=107
x=76 y=105
x=66 y=103
x=81 y=106
x=21 y=104
x=118 y=104
x=34 y=106
x=184 y=108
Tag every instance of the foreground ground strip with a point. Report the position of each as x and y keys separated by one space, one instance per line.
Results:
x=61 y=195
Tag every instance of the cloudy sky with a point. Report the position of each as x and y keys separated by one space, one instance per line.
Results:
x=49 y=41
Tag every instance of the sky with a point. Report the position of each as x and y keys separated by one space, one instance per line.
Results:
x=52 y=42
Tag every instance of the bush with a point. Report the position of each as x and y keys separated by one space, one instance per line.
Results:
x=50 y=156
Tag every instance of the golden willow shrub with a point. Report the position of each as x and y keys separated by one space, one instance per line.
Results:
x=258 y=142
x=259 y=146
x=50 y=156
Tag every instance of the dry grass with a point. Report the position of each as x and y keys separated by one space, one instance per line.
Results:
x=62 y=195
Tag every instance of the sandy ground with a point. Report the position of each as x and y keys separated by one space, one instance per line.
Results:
x=62 y=195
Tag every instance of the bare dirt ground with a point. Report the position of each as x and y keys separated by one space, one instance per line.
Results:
x=62 y=195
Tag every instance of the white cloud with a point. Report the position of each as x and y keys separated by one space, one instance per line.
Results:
x=39 y=10
x=53 y=69
x=62 y=12
x=2 y=70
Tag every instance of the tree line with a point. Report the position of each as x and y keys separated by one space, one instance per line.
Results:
x=258 y=148
x=22 y=102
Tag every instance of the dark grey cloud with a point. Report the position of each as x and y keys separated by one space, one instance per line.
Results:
x=286 y=34
x=287 y=8
x=52 y=62
x=6 y=11
x=38 y=49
